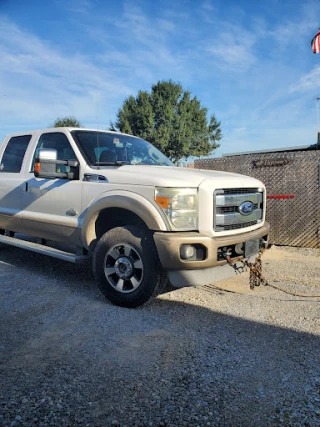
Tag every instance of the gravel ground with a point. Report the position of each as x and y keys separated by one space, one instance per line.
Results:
x=212 y=356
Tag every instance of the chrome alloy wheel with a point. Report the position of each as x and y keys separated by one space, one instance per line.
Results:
x=123 y=268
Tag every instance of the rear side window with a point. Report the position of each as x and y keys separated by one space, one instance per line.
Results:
x=14 y=153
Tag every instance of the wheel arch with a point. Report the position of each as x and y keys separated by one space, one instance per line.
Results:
x=115 y=210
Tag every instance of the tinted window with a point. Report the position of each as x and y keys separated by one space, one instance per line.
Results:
x=14 y=153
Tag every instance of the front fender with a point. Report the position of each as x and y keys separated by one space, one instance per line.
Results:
x=126 y=200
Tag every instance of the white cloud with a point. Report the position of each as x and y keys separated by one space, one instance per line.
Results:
x=289 y=32
x=240 y=130
x=233 y=49
x=39 y=83
x=208 y=6
x=166 y=25
x=230 y=67
x=308 y=82
x=149 y=49
x=77 y=6
x=266 y=139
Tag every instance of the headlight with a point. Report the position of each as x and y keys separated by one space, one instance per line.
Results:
x=180 y=206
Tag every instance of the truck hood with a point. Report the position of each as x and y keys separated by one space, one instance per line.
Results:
x=171 y=176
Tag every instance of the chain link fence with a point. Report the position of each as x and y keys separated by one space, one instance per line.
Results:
x=292 y=179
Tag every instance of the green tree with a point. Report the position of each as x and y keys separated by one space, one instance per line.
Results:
x=170 y=119
x=68 y=121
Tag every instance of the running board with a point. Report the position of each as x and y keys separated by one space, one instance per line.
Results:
x=45 y=250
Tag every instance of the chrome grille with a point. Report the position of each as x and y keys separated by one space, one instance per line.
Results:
x=239 y=190
x=228 y=209
x=227 y=215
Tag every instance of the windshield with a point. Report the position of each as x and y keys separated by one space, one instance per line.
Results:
x=104 y=149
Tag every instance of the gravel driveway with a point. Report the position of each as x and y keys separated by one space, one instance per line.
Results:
x=194 y=357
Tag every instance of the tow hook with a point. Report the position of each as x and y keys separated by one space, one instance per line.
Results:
x=227 y=254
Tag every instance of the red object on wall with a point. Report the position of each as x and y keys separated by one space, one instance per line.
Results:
x=281 y=196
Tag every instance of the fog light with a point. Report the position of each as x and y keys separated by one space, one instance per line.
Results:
x=187 y=251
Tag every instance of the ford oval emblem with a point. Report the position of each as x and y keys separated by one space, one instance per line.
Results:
x=246 y=208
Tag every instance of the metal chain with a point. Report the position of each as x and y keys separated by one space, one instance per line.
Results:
x=256 y=278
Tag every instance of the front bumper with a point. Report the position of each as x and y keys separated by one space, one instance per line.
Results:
x=200 y=272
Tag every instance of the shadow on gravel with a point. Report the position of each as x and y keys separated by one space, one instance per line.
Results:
x=48 y=268
x=70 y=359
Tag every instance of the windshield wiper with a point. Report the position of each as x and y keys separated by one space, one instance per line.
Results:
x=117 y=163
x=151 y=164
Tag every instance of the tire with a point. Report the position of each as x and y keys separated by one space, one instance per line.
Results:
x=126 y=266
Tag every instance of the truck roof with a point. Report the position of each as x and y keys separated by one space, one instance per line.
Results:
x=55 y=129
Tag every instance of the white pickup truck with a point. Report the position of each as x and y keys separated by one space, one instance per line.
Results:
x=117 y=199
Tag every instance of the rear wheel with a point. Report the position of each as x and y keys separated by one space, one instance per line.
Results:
x=126 y=266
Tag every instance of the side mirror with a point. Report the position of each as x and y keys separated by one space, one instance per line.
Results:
x=47 y=166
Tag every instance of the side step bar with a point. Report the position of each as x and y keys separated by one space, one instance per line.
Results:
x=45 y=250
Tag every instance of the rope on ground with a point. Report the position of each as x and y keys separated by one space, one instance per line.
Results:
x=291 y=293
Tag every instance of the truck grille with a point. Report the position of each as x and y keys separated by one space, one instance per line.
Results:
x=228 y=208
x=239 y=190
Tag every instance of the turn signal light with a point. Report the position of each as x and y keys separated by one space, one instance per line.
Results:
x=163 y=202
x=36 y=167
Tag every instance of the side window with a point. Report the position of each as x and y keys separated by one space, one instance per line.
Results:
x=14 y=153
x=57 y=141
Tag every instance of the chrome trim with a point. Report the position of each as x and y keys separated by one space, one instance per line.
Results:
x=231 y=202
x=238 y=218
x=237 y=199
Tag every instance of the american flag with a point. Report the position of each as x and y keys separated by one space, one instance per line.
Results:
x=315 y=43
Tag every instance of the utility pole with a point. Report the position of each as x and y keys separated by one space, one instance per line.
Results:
x=318 y=130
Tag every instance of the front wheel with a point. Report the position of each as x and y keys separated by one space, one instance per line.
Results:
x=126 y=266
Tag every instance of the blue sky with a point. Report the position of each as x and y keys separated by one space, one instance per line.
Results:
x=250 y=63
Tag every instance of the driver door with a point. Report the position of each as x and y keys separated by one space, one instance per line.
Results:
x=51 y=207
